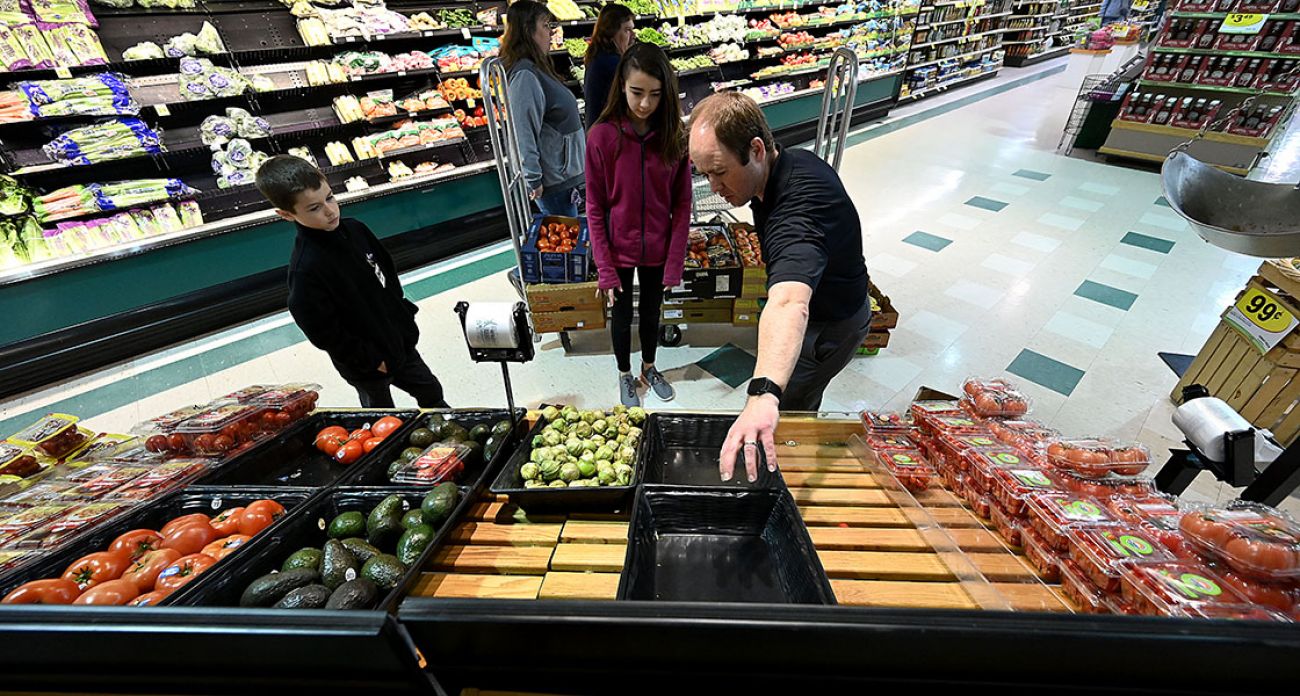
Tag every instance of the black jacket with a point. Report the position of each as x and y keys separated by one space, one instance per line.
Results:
x=338 y=301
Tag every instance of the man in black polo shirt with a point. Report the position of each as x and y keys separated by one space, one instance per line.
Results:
x=817 y=310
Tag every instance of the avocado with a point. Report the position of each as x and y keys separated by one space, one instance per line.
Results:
x=384 y=570
x=421 y=438
x=348 y=524
x=502 y=429
x=395 y=467
x=385 y=522
x=411 y=454
x=272 y=587
x=490 y=447
x=335 y=564
x=439 y=503
x=309 y=597
x=354 y=594
x=475 y=453
x=360 y=549
x=480 y=433
x=412 y=518
x=307 y=558
x=392 y=505
x=413 y=543
x=454 y=432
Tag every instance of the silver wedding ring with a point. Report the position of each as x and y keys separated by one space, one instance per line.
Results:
x=753 y=443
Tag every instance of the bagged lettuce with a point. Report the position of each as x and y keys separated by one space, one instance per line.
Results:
x=15 y=199
x=57 y=42
x=191 y=214
x=11 y=13
x=209 y=40
x=12 y=54
x=143 y=51
x=38 y=51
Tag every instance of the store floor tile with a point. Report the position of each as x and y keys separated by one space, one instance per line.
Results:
x=1103 y=189
x=1046 y=372
x=730 y=364
x=1031 y=174
x=1107 y=295
x=986 y=204
x=1143 y=241
x=1163 y=201
x=925 y=240
x=1164 y=219
x=1082 y=204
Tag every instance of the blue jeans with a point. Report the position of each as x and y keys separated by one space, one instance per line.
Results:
x=558 y=202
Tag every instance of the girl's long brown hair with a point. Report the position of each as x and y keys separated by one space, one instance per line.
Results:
x=669 y=134
x=517 y=43
x=612 y=17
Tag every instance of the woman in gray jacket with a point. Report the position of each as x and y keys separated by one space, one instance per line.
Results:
x=552 y=143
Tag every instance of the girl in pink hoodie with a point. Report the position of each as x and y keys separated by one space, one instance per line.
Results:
x=639 y=205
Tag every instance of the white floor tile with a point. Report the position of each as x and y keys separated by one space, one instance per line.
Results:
x=979 y=295
x=961 y=222
x=1128 y=266
x=1009 y=189
x=1075 y=327
x=1103 y=189
x=1064 y=222
x=1008 y=265
x=935 y=327
x=1168 y=221
x=890 y=265
x=1082 y=204
x=1037 y=242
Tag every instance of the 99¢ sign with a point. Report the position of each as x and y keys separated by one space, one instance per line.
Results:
x=1261 y=319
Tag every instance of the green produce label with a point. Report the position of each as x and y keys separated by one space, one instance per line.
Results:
x=1082 y=511
x=1032 y=477
x=1191 y=585
x=1128 y=545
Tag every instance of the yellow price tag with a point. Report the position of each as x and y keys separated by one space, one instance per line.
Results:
x=1264 y=311
x=62 y=73
x=1243 y=23
x=162 y=110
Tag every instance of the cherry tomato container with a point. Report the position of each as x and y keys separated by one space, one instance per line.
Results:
x=1097 y=457
x=1160 y=515
x=994 y=398
x=18 y=521
x=952 y=447
x=56 y=435
x=17 y=461
x=923 y=411
x=886 y=421
x=1170 y=588
x=1107 y=487
x=1097 y=551
x=14 y=558
x=78 y=520
x=984 y=462
x=1008 y=526
x=1026 y=435
x=1052 y=514
x=285 y=404
x=952 y=478
x=979 y=503
x=105 y=446
x=219 y=430
x=1254 y=540
x=1237 y=612
x=952 y=425
x=1042 y=556
x=1080 y=591
x=442 y=461
x=1282 y=596
x=97 y=480
x=887 y=442
x=910 y=467
x=49 y=490
x=161 y=479
x=1014 y=485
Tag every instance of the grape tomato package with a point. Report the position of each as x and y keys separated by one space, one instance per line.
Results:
x=1097 y=457
x=1042 y=555
x=909 y=467
x=1098 y=551
x=1052 y=515
x=884 y=442
x=983 y=462
x=1076 y=586
x=1173 y=588
x=220 y=429
x=56 y=435
x=1013 y=486
x=442 y=461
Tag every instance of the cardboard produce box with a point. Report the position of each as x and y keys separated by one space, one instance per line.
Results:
x=562 y=297
x=555 y=266
x=717 y=273
x=570 y=320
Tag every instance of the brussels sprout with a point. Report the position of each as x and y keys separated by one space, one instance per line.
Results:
x=569 y=413
x=623 y=480
x=539 y=441
x=623 y=469
x=620 y=410
x=636 y=414
x=582 y=430
x=627 y=453
x=590 y=417
x=534 y=484
x=550 y=470
x=607 y=477
x=574 y=447
x=551 y=439
x=550 y=413
x=604 y=452
x=604 y=464
x=588 y=457
x=587 y=468
x=529 y=471
x=600 y=426
x=561 y=426
x=597 y=440
x=624 y=429
x=569 y=472
x=559 y=483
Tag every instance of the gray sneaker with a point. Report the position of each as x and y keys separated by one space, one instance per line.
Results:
x=660 y=386
x=627 y=391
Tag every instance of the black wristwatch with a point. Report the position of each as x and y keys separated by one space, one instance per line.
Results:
x=762 y=385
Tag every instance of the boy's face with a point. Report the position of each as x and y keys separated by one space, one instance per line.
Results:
x=315 y=209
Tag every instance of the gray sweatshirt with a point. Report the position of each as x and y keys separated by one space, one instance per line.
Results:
x=552 y=142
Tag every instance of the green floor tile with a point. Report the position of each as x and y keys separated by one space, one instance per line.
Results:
x=1107 y=295
x=925 y=240
x=1046 y=372
x=729 y=364
x=1147 y=242
x=1162 y=201
x=1031 y=174
x=986 y=203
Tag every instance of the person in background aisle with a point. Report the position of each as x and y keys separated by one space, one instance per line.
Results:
x=614 y=33
x=344 y=292
x=818 y=311
x=1114 y=11
x=550 y=133
x=639 y=206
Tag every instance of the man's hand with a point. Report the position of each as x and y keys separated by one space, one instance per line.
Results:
x=535 y=194
x=756 y=427
x=383 y=367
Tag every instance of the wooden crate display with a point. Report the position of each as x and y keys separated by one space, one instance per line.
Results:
x=1264 y=389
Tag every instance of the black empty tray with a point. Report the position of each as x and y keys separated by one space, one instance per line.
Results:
x=697 y=545
x=682 y=449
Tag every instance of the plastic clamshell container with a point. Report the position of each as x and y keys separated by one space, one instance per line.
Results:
x=1008 y=527
x=220 y=430
x=161 y=479
x=1042 y=556
x=922 y=411
x=952 y=478
x=15 y=524
x=1170 y=588
x=287 y=402
x=1014 y=485
x=17 y=461
x=980 y=504
x=956 y=425
x=983 y=462
x=1051 y=515
x=167 y=422
x=15 y=558
x=441 y=461
x=245 y=395
x=1026 y=435
x=1095 y=458
x=1236 y=612
x=106 y=446
x=881 y=421
x=97 y=480
x=979 y=385
x=78 y=520
x=999 y=404
x=1255 y=540
x=55 y=434
x=1076 y=586
x=952 y=447
x=47 y=491
x=909 y=467
x=1107 y=487
x=884 y=442
x=1098 y=552
x=1282 y=596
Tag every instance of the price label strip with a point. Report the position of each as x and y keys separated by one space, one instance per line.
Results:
x=1243 y=23
x=1261 y=319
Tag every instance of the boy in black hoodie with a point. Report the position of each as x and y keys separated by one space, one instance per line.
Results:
x=344 y=292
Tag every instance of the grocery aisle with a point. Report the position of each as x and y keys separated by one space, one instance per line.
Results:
x=1002 y=257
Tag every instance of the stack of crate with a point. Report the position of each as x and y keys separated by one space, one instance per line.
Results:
x=567 y=307
x=883 y=318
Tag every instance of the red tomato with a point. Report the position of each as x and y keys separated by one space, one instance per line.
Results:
x=93 y=569
x=223 y=443
x=334 y=431
x=149 y=599
x=1259 y=557
x=361 y=435
x=1205 y=530
x=178 y=574
x=350 y=452
x=254 y=521
x=270 y=507
x=221 y=548
x=51 y=591
x=203 y=443
x=184 y=520
x=176 y=442
x=227 y=522
x=1279 y=597
x=385 y=426
x=330 y=439
x=369 y=445
x=156 y=443
x=144 y=572
x=136 y=543
x=111 y=593
x=190 y=538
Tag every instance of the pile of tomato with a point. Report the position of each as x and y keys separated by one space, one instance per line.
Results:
x=561 y=237
x=143 y=566
x=1095 y=458
x=994 y=398
x=347 y=447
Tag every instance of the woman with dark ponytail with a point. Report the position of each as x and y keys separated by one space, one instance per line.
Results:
x=614 y=33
